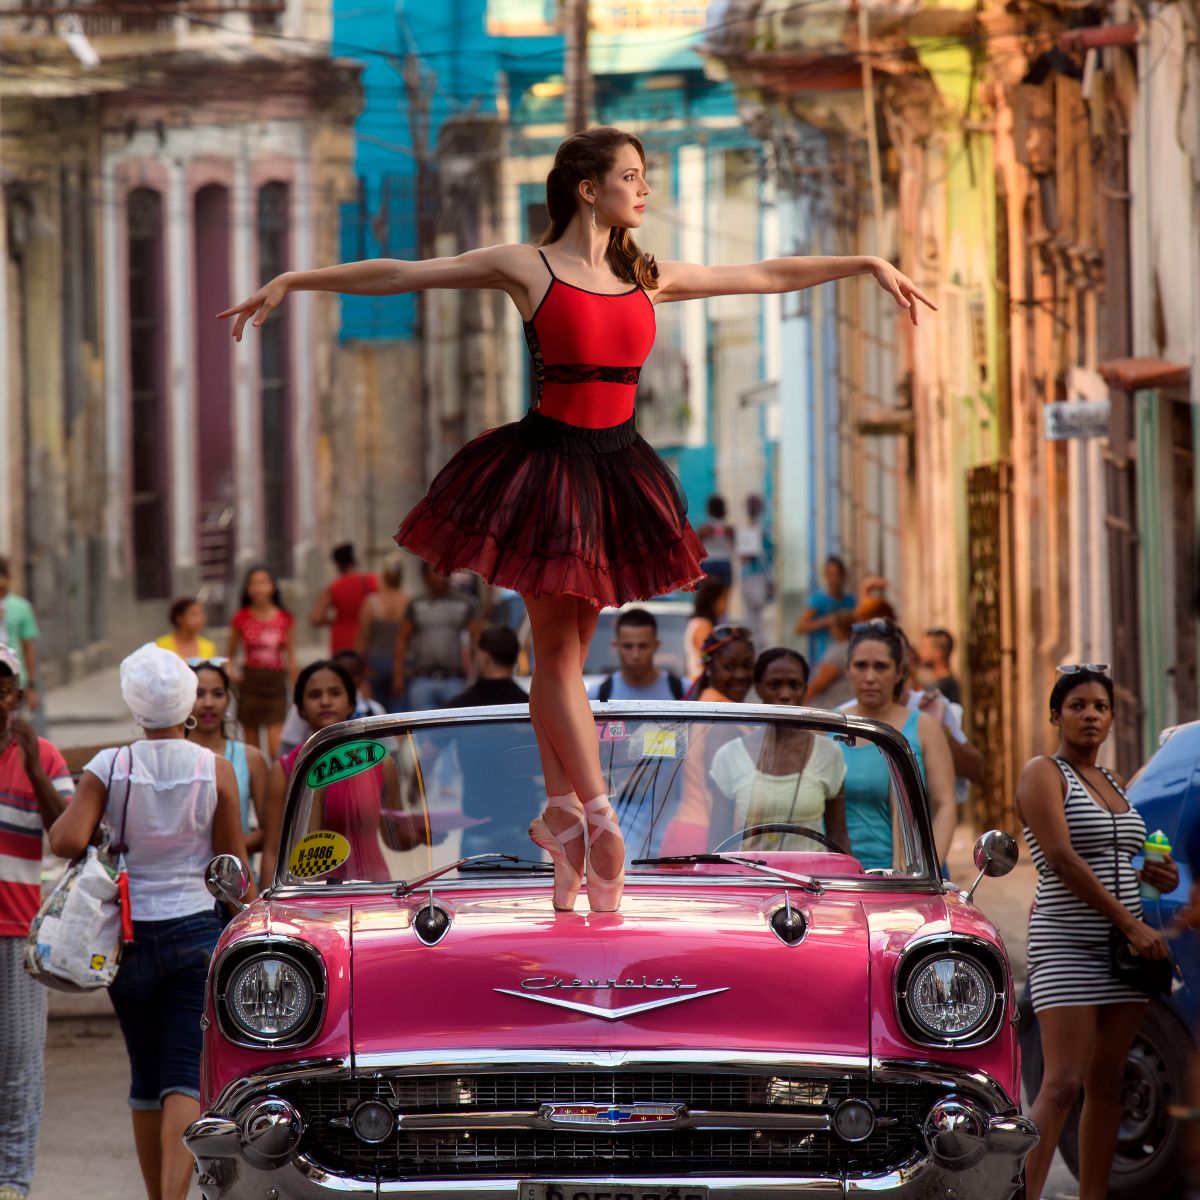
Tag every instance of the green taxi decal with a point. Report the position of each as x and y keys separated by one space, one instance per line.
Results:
x=344 y=761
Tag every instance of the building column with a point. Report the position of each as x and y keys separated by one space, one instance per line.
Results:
x=304 y=366
x=796 y=451
x=6 y=538
x=692 y=184
x=116 y=336
x=181 y=299
x=246 y=473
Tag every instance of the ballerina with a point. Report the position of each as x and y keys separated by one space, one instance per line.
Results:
x=570 y=506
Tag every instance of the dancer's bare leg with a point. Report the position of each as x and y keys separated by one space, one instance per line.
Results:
x=557 y=695
x=557 y=783
x=607 y=851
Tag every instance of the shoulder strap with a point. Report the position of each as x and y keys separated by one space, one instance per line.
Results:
x=675 y=684
x=547 y=262
x=604 y=691
x=121 y=847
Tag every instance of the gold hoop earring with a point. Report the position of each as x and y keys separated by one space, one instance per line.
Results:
x=593 y=216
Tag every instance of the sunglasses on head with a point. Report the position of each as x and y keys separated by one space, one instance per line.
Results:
x=874 y=623
x=731 y=631
x=1077 y=668
x=197 y=663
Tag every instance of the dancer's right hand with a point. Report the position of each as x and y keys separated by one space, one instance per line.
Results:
x=269 y=296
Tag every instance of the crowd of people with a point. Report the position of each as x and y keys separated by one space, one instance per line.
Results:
x=222 y=733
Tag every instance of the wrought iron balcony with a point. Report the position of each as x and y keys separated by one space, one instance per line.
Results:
x=109 y=18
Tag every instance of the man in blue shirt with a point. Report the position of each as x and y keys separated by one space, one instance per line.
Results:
x=636 y=643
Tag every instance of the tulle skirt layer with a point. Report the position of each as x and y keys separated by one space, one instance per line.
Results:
x=547 y=508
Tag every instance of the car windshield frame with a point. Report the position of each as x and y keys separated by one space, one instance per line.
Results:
x=894 y=746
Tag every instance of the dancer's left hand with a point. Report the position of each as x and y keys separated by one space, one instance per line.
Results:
x=905 y=291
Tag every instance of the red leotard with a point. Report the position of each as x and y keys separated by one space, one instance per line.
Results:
x=588 y=349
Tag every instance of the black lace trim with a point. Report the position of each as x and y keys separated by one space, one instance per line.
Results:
x=535 y=351
x=590 y=373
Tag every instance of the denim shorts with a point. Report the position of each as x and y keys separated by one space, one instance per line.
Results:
x=158 y=995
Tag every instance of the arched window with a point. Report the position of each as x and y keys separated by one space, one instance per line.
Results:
x=148 y=395
x=274 y=398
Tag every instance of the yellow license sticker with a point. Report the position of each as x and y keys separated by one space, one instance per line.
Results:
x=659 y=743
x=318 y=852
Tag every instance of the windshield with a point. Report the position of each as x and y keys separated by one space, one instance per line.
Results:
x=388 y=800
x=602 y=658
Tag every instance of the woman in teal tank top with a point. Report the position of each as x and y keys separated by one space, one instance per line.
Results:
x=211 y=714
x=877 y=658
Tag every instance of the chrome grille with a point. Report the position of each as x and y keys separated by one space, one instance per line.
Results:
x=572 y=1152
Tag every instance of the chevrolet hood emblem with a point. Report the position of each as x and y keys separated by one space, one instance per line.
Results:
x=610 y=1014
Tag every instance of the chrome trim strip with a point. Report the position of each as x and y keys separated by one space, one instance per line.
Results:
x=435 y=1062
x=917 y=885
x=979 y=1084
x=235 y=1093
x=610 y=1014
x=810 y=1120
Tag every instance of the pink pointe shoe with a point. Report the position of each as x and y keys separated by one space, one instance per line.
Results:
x=604 y=895
x=567 y=877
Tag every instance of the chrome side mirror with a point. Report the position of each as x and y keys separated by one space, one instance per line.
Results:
x=226 y=878
x=996 y=853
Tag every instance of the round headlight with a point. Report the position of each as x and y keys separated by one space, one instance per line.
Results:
x=270 y=997
x=950 y=997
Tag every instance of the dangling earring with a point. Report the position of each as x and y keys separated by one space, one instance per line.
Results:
x=190 y=723
x=593 y=216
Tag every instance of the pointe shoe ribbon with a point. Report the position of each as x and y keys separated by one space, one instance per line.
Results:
x=567 y=879
x=604 y=895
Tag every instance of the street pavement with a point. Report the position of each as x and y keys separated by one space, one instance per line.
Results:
x=86 y=1145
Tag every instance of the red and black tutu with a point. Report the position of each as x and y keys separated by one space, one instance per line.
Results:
x=547 y=508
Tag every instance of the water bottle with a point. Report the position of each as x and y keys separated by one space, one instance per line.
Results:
x=1156 y=848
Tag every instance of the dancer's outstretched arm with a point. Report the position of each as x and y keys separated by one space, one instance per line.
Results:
x=689 y=281
x=511 y=268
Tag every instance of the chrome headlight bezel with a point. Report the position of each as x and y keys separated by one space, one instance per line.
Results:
x=299 y=955
x=978 y=953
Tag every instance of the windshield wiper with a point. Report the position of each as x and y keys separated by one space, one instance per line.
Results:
x=513 y=864
x=480 y=861
x=805 y=881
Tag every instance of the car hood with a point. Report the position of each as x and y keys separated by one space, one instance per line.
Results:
x=670 y=971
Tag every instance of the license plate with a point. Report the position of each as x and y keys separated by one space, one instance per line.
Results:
x=542 y=1190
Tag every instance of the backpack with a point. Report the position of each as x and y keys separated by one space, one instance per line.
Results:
x=605 y=690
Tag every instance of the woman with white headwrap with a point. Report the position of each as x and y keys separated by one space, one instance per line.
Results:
x=180 y=806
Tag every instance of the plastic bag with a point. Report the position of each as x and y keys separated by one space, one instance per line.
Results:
x=74 y=942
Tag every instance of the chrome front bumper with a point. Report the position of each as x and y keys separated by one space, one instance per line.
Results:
x=975 y=1148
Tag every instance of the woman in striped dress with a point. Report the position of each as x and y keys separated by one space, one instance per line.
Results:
x=1082 y=834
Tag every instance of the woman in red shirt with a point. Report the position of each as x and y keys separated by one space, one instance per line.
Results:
x=264 y=629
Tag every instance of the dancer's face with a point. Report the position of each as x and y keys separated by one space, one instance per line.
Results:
x=732 y=670
x=621 y=195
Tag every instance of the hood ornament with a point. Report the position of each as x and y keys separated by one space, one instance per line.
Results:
x=607 y=1014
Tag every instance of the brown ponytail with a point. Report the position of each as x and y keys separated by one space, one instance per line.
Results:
x=591 y=155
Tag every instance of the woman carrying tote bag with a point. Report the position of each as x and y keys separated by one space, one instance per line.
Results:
x=182 y=809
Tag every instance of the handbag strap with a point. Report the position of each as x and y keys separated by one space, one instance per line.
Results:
x=121 y=846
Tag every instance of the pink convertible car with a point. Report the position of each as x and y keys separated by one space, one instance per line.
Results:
x=773 y=1013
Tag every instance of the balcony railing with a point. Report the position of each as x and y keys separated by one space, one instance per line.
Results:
x=110 y=18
